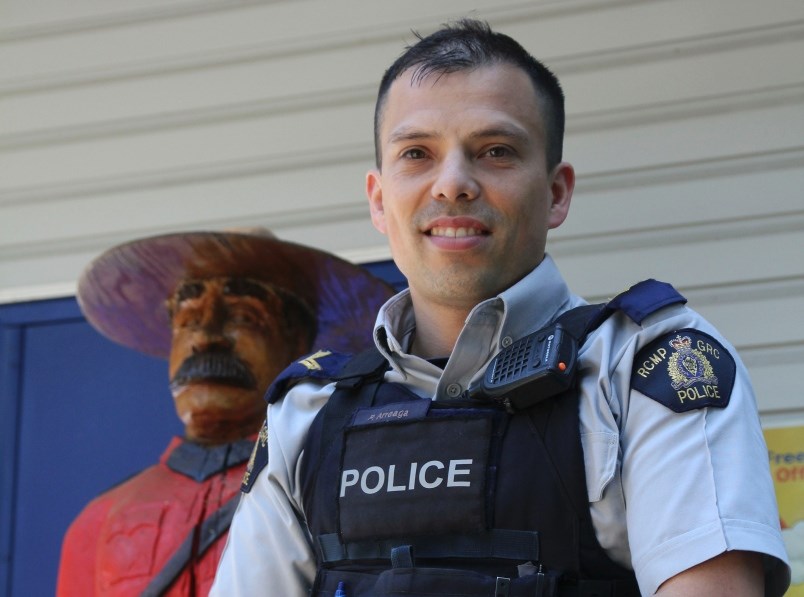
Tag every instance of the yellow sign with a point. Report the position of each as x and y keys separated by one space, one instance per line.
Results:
x=786 y=455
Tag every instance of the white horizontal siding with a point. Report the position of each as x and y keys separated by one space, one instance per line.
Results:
x=685 y=125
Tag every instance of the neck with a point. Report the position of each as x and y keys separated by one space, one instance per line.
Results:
x=437 y=329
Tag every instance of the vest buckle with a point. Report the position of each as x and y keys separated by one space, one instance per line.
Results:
x=502 y=586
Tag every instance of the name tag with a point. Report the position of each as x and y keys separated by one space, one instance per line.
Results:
x=409 y=410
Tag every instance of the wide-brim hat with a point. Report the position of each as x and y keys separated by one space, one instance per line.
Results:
x=123 y=292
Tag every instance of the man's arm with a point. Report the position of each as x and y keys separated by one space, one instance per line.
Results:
x=695 y=474
x=268 y=549
x=731 y=574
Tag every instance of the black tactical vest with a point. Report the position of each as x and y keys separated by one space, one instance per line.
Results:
x=406 y=496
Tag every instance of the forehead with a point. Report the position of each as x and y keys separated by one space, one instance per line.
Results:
x=236 y=286
x=491 y=95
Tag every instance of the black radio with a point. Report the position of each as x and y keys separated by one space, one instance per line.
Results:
x=540 y=365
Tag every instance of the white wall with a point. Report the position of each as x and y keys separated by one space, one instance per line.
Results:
x=685 y=123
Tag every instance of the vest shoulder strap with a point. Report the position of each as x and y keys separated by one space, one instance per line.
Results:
x=639 y=301
x=583 y=320
x=369 y=365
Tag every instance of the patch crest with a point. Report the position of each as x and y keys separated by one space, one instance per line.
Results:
x=688 y=365
x=257 y=461
x=685 y=370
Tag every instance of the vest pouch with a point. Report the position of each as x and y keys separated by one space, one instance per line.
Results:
x=428 y=476
x=426 y=582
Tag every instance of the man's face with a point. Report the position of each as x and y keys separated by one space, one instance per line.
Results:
x=227 y=348
x=464 y=194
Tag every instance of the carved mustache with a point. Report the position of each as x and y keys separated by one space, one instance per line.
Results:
x=221 y=367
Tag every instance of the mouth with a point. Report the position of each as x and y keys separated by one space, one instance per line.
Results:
x=456 y=232
x=448 y=226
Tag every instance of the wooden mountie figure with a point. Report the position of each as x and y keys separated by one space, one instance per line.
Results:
x=229 y=310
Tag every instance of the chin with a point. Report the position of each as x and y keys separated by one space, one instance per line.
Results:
x=216 y=402
x=210 y=428
x=215 y=395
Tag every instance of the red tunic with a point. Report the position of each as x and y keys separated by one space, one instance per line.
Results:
x=124 y=537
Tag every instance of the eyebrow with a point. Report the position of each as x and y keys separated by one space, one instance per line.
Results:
x=506 y=131
x=245 y=287
x=235 y=286
x=409 y=133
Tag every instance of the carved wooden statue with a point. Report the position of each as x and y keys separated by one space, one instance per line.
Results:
x=229 y=310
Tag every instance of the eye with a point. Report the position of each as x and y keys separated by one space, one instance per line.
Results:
x=243 y=313
x=414 y=154
x=189 y=290
x=498 y=151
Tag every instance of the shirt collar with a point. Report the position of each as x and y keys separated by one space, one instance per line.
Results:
x=394 y=326
x=535 y=301
x=200 y=462
x=528 y=305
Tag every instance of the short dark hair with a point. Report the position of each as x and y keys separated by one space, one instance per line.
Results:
x=468 y=44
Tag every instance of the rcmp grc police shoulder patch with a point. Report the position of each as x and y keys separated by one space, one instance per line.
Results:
x=685 y=370
x=258 y=460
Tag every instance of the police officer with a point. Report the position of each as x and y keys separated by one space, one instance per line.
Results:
x=398 y=476
x=228 y=310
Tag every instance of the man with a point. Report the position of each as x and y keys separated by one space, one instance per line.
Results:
x=414 y=477
x=229 y=310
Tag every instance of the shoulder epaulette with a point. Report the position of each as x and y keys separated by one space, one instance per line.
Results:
x=644 y=298
x=322 y=364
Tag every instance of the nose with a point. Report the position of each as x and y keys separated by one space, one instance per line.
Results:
x=211 y=329
x=455 y=180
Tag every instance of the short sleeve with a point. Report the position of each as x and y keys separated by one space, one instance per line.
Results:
x=693 y=465
x=268 y=544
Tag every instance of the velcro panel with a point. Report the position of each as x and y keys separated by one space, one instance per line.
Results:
x=423 y=478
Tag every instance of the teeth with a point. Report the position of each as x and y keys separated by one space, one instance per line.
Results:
x=455 y=232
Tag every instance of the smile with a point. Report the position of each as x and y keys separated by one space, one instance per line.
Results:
x=455 y=232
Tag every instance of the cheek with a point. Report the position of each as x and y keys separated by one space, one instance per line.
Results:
x=266 y=356
x=398 y=226
x=265 y=372
x=391 y=231
x=180 y=349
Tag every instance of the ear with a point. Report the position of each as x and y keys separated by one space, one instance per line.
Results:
x=562 y=183
x=374 y=193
